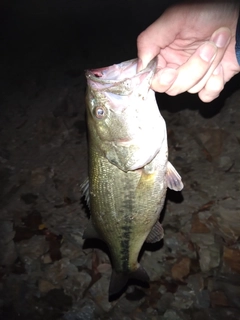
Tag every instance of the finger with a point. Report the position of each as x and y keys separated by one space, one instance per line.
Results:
x=221 y=38
x=213 y=87
x=194 y=69
x=198 y=69
x=164 y=79
x=155 y=37
x=146 y=52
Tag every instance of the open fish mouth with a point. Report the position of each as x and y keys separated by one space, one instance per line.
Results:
x=124 y=72
x=114 y=73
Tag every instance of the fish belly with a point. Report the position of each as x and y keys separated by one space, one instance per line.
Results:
x=125 y=206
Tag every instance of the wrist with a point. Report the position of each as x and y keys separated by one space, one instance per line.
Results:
x=237 y=46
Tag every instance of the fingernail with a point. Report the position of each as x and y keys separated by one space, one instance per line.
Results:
x=221 y=40
x=208 y=51
x=144 y=62
x=166 y=76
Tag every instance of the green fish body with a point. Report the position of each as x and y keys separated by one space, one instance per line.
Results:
x=129 y=170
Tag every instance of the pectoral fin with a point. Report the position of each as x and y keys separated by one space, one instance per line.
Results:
x=156 y=234
x=174 y=180
x=84 y=187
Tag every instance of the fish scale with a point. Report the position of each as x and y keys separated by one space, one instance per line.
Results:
x=129 y=170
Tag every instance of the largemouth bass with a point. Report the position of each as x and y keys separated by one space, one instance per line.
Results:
x=129 y=170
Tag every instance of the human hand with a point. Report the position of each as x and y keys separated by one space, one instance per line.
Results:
x=195 y=45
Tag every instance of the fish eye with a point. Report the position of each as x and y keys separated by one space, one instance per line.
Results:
x=99 y=112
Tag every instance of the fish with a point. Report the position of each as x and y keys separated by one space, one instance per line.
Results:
x=129 y=171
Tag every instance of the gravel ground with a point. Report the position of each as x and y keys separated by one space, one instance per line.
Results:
x=46 y=269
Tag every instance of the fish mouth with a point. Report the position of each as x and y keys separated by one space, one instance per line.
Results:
x=119 y=72
x=114 y=73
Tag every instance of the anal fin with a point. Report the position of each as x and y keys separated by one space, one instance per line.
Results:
x=156 y=234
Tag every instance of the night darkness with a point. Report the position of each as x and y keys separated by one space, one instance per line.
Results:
x=45 y=270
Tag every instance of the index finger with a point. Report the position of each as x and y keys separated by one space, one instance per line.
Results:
x=153 y=39
x=147 y=50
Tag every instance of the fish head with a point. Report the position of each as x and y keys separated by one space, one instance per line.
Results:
x=124 y=122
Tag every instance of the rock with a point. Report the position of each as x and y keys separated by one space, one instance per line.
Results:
x=38 y=176
x=29 y=198
x=162 y=289
x=224 y=220
x=165 y=302
x=226 y=286
x=209 y=258
x=202 y=300
x=213 y=140
x=221 y=314
x=83 y=309
x=8 y=254
x=209 y=251
x=152 y=263
x=7 y=247
x=201 y=296
x=231 y=258
x=60 y=270
x=198 y=226
x=126 y=306
x=44 y=286
x=46 y=258
x=76 y=285
x=225 y=162
x=6 y=231
x=70 y=251
x=174 y=315
x=183 y=298
x=178 y=244
x=32 y=249
x=99 y=294
x=195 y=282
x=218 y=298
x=181 y=269
x=105 y=269
x=56 y=302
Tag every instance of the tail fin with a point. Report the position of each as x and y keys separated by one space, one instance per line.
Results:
x=119 y=280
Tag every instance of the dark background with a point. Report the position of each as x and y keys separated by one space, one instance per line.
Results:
x=39 y=37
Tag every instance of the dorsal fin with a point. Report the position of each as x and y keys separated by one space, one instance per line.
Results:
x=84 y=187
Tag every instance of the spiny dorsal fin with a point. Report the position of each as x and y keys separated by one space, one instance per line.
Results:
x=156 y=234
x=84 y=187
x=174 y=180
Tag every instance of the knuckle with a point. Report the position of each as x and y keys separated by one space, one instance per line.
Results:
x=172 y=92
x=215 y=85
x=207 y=96
x=141 y=38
